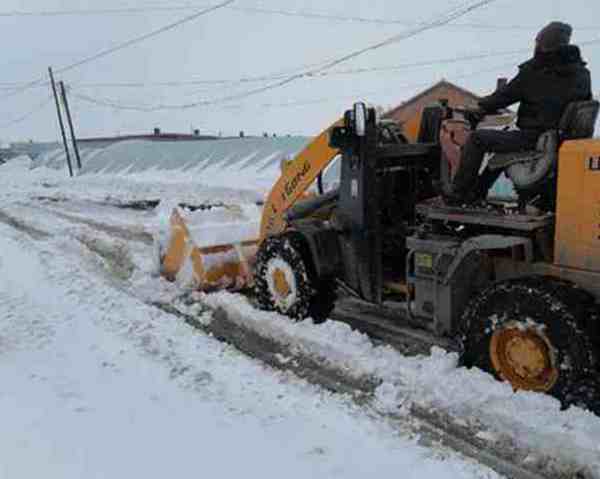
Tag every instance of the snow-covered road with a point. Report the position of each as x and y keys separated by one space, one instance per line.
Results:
x=96 y=383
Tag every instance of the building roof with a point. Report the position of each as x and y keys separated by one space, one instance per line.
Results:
x=441 y=84
x=504 y=117
x=159 y=136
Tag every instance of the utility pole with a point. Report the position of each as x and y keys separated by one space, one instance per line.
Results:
x=63 y=94
x=60 y=121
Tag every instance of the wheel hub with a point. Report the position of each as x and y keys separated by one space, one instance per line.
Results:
x=280 y=283
x=524 y=357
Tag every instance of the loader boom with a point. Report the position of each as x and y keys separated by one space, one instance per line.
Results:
x=295 y=179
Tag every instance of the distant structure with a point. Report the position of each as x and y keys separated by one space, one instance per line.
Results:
x=156 y=135
x=29 y=148
x=408 y=113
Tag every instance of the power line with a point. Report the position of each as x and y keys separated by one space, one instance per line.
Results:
x=438 y=20
x=141 y=38
x=261 y=10
x=116 y=104
x=293 y=103
x=24 y=117
x=379 y=21
x=281 y=74
x=13 y=86
x=122 y=45
x=349 y=71
x=94 y=11
x=24 y=87
x=262 y=78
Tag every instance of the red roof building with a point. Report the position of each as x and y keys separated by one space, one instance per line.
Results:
x=408 y=113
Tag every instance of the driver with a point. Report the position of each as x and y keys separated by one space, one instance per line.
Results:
x=554 y=77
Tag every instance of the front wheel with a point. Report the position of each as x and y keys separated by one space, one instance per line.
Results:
x=534 y=333
x=284 y=281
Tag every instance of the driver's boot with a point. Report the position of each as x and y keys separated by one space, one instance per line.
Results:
x=466 y=183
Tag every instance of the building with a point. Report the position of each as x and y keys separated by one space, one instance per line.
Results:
x=157 y=135
x=408 y=113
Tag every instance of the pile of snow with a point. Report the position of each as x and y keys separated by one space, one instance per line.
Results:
x=233 y=162
x=16 y=164
x=224 y=225
x=50 y=183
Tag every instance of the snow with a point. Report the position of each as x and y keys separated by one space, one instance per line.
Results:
x=99 y=384
x=434 y=382
x=17 y=164
x=74 y=315
x=224 y=225
x=113 y=189
x=218 y=162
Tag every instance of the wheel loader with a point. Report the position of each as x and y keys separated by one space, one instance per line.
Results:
x=515 y=288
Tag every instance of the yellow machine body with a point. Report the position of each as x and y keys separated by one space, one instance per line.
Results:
x=577 y=236
x=577 y=232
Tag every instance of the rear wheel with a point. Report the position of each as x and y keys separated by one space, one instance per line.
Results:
x=285 y=282
x=534 y=333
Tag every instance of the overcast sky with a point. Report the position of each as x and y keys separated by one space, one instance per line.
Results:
x=230 y=43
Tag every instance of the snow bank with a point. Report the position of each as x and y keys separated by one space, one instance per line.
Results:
x=235 y=162
x=16 y=164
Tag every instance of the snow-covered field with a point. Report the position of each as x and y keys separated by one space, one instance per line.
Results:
x=98 y=383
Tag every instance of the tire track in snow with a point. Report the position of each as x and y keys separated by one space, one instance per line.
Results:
x=143 y=331
x=121 y=232
x=171 y=344
x=434 y=429
x=22 y=226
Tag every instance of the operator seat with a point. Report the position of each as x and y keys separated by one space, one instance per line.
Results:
x=530 y=171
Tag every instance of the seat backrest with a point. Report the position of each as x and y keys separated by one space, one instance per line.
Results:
x=431 y=122
x=579 y=119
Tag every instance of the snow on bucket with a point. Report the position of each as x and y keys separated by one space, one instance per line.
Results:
x=211 y=249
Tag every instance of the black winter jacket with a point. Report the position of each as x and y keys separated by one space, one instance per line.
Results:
x=544 y=86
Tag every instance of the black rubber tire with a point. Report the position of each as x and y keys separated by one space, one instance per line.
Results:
x=564 y=310
x=314 y=298
x=586 y=394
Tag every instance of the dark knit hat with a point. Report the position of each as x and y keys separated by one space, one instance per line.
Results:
x=553 y=36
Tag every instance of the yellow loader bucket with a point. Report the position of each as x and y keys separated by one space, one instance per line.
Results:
x=225 y=266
